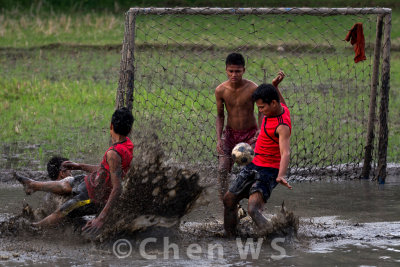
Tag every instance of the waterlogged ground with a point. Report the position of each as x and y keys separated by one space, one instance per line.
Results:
x=341 y=223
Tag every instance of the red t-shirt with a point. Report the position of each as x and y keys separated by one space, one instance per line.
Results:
x=98 y=183
x=267 y=145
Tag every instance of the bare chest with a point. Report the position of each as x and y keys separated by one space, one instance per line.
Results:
x=238 y=99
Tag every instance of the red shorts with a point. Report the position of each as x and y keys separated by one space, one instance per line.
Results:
x=230 y=138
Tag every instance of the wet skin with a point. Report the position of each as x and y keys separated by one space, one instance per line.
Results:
x=234 y=95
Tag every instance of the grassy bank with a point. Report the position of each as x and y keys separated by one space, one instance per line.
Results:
x=58 y=100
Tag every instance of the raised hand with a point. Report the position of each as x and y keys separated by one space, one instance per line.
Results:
x=276 y=81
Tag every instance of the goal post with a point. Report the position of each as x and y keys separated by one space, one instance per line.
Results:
x=173 y=59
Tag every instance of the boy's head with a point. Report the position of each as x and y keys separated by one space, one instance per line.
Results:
x=54 y=168
x=235 y=67
x=235 y=59
x=267 y=99
x=122 y=121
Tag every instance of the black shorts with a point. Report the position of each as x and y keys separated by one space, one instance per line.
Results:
x=80 y=204
x=253 y=179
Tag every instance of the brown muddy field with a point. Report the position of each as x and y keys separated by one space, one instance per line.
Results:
x=338 y=220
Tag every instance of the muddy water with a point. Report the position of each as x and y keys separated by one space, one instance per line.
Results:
x=354 y=223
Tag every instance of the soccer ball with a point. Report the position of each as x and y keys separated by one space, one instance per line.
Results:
x=242 y=154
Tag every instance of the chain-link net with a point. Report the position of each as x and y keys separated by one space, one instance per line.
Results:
x=179 y=60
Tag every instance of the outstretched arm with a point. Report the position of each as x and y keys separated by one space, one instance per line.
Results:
x=114 y=161
x=69 y=165
x=284 y=147
x=276 y=81
x=220 y=119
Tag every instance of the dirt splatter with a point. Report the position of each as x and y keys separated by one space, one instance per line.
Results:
x=155 y=193
x=285 y=223
x=19 y=225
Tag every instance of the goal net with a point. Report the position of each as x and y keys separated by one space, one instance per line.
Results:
x=174 y=58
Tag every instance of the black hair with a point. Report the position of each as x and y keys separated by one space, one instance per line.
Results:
x=234 y=59
x=54 y=166
x=266 y=92
x=122 y=121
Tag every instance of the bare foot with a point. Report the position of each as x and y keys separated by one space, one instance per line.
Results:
x=26 y=182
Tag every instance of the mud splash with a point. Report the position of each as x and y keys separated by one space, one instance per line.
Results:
x=157 y=193
x=19 y=225
x=284 y=223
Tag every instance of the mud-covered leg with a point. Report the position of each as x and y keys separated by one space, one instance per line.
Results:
x=256 y=203
x=53 y=219
x=56 y=187
x=224 y=167
x=230 y=213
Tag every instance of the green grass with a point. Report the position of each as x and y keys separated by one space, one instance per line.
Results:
x=23 y=30
x=19 y=29
x=120 y=5
x=62 y=98
x=252 y=30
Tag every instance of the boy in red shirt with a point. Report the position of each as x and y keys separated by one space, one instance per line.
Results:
x=268 y=168
x=97 y=192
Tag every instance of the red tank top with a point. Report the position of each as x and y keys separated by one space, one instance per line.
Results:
x=98 y=183
x=267 y=145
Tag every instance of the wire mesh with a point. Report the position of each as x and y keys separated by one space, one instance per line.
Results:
x=179 y=60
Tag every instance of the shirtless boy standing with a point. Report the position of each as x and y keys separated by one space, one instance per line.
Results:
x=241 y=126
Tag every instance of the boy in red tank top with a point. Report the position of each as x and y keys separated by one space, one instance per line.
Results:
x=97 y=192
x=268 y=168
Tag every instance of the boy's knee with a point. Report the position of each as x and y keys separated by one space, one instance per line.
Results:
x=66 y=187
x=224 y=164
x=58 y=214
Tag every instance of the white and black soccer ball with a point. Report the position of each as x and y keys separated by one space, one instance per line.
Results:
x=243 y=154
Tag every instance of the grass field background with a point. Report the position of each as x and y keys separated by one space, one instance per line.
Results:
x=59 y=73
x=26 y=30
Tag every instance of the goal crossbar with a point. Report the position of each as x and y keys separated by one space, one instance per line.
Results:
x=262 y=11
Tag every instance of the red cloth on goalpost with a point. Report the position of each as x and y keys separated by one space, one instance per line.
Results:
x=356 y=35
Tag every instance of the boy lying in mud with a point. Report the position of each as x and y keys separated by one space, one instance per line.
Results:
x=97 y=192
